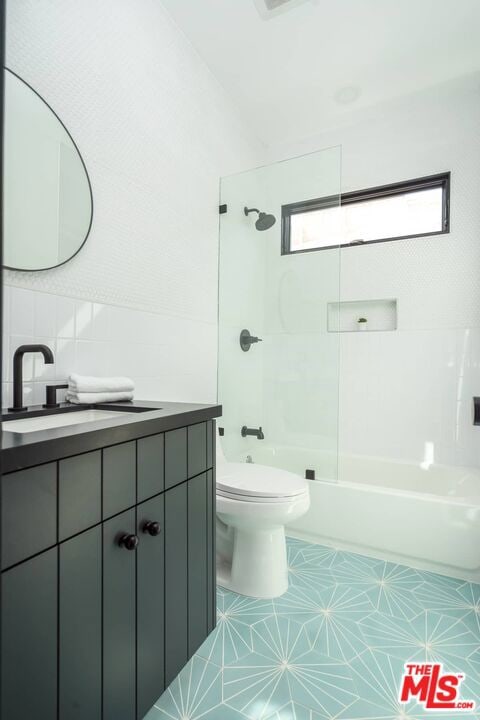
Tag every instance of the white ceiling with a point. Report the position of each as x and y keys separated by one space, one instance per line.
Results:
x=285 y=73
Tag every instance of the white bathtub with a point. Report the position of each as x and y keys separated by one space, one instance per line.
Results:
x=425 y=517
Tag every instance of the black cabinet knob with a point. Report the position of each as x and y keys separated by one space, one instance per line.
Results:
x=152 y=528
x=129 y=542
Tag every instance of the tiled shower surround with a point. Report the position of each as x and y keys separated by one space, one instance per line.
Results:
x=333 y=646
x=168 y=357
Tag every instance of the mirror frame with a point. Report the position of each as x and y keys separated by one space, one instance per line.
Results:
x=5 y=240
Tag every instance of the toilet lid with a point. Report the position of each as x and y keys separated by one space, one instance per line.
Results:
x=252 y=480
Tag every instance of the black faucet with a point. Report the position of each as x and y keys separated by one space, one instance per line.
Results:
x=256 y=432
x=18 y=371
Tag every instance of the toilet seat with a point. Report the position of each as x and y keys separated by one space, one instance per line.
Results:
x=258 y=483
x=257 y=500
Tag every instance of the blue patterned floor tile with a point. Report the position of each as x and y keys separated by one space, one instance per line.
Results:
x=445 y=600
x=377 y=678
x=294 y=711
x=364 y=710
x=303 y=573
x=340 y=639
x=283 y=669
x=196 y=691
x=321 y=556
x=247 y=609
x=442 y=581
x=232 y=638
x=330 y=617
x=310 y=578
x=470 y=593
x=359 y=571
x=394 y=591
x=256 y=687
x=223 y=712
x=296 y=542
x=360 y=563
x=295 y=550
x=457 y=601
x=430 y=637
x=229 y=642
x=333 y=646
x=153 y=714
x=474 y=660
x=390 y=587
x=301 y=603
x=220 y=712
x=281 y=638
x=470 y=689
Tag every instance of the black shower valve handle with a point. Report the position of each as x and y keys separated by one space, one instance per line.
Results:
x=246 y=340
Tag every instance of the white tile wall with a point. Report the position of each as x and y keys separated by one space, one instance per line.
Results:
x=398 y=391
x=168 y=357
x=156 y=132
x=403 y=390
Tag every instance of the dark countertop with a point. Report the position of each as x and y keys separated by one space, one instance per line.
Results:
x=22 y=450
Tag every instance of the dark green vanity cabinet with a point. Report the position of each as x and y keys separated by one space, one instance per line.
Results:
x=108 y=576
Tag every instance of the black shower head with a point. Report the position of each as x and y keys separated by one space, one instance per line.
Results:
x=264 y=222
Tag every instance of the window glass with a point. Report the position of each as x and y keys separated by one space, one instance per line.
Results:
x=383 y=214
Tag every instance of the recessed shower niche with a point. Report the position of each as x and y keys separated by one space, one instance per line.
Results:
x=362 y=315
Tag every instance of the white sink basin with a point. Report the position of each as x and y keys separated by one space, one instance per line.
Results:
x=47 y=422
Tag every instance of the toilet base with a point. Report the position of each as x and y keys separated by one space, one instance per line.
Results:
x=257 y=566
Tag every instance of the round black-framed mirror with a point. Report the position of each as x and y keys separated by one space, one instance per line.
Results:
x=48 y=199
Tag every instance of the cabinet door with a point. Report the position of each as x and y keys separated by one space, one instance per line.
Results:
x=198 y=585
x=176 y=581
x=150 y=604
x=80 y=627
x=29 y=639
x=119 y=619
x=211 y=552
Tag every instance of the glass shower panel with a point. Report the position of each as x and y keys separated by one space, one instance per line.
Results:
x=287 y=384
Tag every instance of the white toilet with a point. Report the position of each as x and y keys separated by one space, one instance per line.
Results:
x=254 y=503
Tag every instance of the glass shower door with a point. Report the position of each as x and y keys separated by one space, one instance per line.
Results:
x=287 y=382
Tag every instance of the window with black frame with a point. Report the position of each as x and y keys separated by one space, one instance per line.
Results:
x=411 y=209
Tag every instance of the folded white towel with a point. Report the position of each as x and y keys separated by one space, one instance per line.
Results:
x=88 y=398
x=86 y=384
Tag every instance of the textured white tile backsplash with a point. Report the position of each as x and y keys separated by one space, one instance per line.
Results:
x=169 y=358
